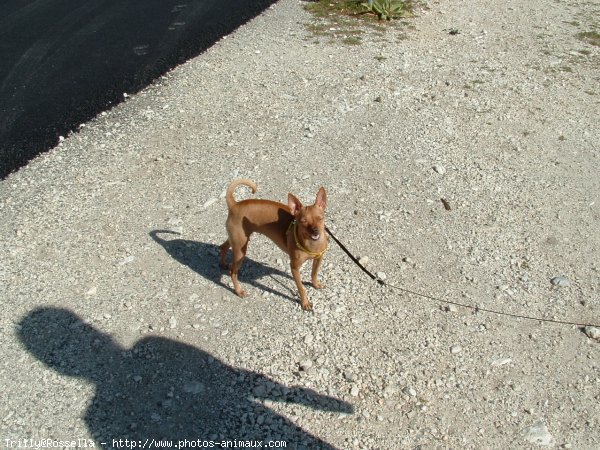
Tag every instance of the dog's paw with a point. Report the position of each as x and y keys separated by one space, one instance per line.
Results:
x=318 y=285
x=307 y=306
x=241 y=293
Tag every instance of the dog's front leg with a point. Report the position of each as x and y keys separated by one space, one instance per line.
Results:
x=304 y=303
x=315 y=270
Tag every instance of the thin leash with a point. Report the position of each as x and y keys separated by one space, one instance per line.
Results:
x=449 y=302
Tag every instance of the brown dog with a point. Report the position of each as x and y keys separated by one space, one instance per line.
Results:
x=297 y=230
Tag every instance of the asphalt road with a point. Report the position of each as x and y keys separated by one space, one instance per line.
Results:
x=63 y=62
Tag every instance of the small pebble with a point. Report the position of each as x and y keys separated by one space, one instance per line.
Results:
x=354 y=391
x=126 y=260
x=538 y=434
x=259 y=391
x=349 y=376
x=305 y=364
x=389 y=391
x=92 y=291
x=408 y=390
x=439 y=169
x=592 y=332
x=455 y=349
x=560 y=282
x=501 y=361
x=451 y=308
x=209 y=202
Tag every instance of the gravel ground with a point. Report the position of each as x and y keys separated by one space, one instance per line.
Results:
x=118 y=323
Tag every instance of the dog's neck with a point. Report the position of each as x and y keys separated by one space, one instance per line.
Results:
x=293 y=227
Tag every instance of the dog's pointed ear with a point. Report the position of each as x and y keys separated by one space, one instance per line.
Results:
x=321 y=200
x=294 y=204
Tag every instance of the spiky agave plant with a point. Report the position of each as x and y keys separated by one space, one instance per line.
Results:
x=384 y=9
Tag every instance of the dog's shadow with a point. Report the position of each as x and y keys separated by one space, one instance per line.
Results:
x=203 y=258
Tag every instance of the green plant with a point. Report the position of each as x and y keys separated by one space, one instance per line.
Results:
x=591 y=37
x=384 y=9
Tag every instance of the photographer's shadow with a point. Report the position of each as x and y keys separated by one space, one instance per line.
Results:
x=203 y=259
x=162 y=389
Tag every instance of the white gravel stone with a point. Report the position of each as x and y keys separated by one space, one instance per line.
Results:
x=560 y=281
x=592 y=332
x=208 y=203
x=451 y=308
x=455 y=349
x=126 y=260
x=538 y=434
x=92 y=291
x=408 y=390
x=501 y=362
x=306 y=364
x=439 y=169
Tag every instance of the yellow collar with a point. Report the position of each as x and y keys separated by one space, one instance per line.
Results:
x=294 y=224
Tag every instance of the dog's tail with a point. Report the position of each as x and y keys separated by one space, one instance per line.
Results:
x=231 y=189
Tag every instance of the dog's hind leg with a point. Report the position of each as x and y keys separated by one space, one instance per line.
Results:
x=238 y=257
x=223 y=253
